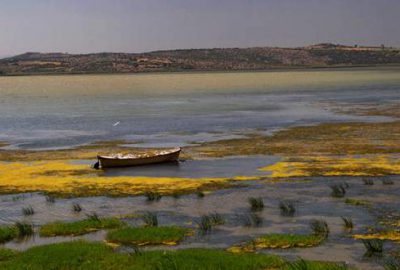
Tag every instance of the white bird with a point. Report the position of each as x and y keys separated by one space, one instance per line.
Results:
x=116 y=124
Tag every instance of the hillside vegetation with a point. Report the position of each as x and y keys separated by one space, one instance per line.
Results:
x=257 y=58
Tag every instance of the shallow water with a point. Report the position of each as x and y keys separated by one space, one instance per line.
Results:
x=62 y=111
x=311 y=197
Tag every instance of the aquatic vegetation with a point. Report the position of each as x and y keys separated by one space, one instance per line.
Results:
x=66 y=179
x=392 y=264
x=357 y=202
x=390 y=234
x=344 y=139
x=200 y=194
x=368 y=181
x=150 y=219
x=24 y=229
x=320 y=228
x=28 y=211
x=18 y=230
x=147 y=235
x=256 y=204
x=348 y=223
x=338 y=190
x=79 y=227
x=373 y=246
x=250 y=220
x=7 y=254
x=387 y=181
x=303 y=166
x=7 y=233
x=152 y=196
x=287 y=241
x=50 y=199
x=287 y=208
x=208 y=222
x=91 y=256
x=76 y=207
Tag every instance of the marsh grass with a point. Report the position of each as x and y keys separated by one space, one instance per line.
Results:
x=18 y=230
x=7 y=254
x=50 y=199
x=152 y=196
x=7 y=233
x=348 y=223
x=287 y=208
x=320 y=228
x=139 y=236
x=76 y=207
x=387 y=181
x=250 y=220
x=79 y=227
x=368 y=181
x=28 y=211
x=373 y=247
x=256 y=204
x=392 y=264
x=338 y=190
x=24 y=229
x=200 y=194
x=150 y=219
x=93 y=217
x=94 y=256
x=208 y=222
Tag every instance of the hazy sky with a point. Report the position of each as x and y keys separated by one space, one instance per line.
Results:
x=81 y=26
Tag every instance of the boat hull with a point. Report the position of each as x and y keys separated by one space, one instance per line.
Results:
x=130 y=162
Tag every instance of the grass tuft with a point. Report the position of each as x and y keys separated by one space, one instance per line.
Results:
x=256 y=204
x=287 y=208
x=24 y=229
x=250 y=220
x=387 y=181
x=338 y=190
x=320 y=228
x=373 y=247
x=200 y=194
x=348 y=223
x=152 y=196
x=76 y=207
x=150 y=219
x=208 y=222
x=50 y=199
x=28 y=211
x=368 y=181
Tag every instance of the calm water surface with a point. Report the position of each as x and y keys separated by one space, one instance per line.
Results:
x=175 y=109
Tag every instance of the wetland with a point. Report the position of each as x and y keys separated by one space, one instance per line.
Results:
x=278 y=169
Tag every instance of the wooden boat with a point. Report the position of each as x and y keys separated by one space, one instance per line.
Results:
x=119 y=160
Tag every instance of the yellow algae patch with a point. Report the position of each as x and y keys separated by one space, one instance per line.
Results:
x=386 y=235
x=66 y=179
x=371 y=165
x=281 y=241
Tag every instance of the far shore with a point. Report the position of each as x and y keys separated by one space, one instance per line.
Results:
x=271 y=69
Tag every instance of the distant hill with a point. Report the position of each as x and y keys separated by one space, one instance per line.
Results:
x=225 y=59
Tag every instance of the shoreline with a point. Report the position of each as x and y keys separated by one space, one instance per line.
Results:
x=178 y=71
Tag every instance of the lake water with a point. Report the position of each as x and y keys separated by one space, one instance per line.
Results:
x=175 y=109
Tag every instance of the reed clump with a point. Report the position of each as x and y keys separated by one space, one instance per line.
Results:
x=28 y=211
x=373 y=247
x=287 y=208
x=76 y=207
x=348 y=223
x=256 y=204
x=150 y=219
